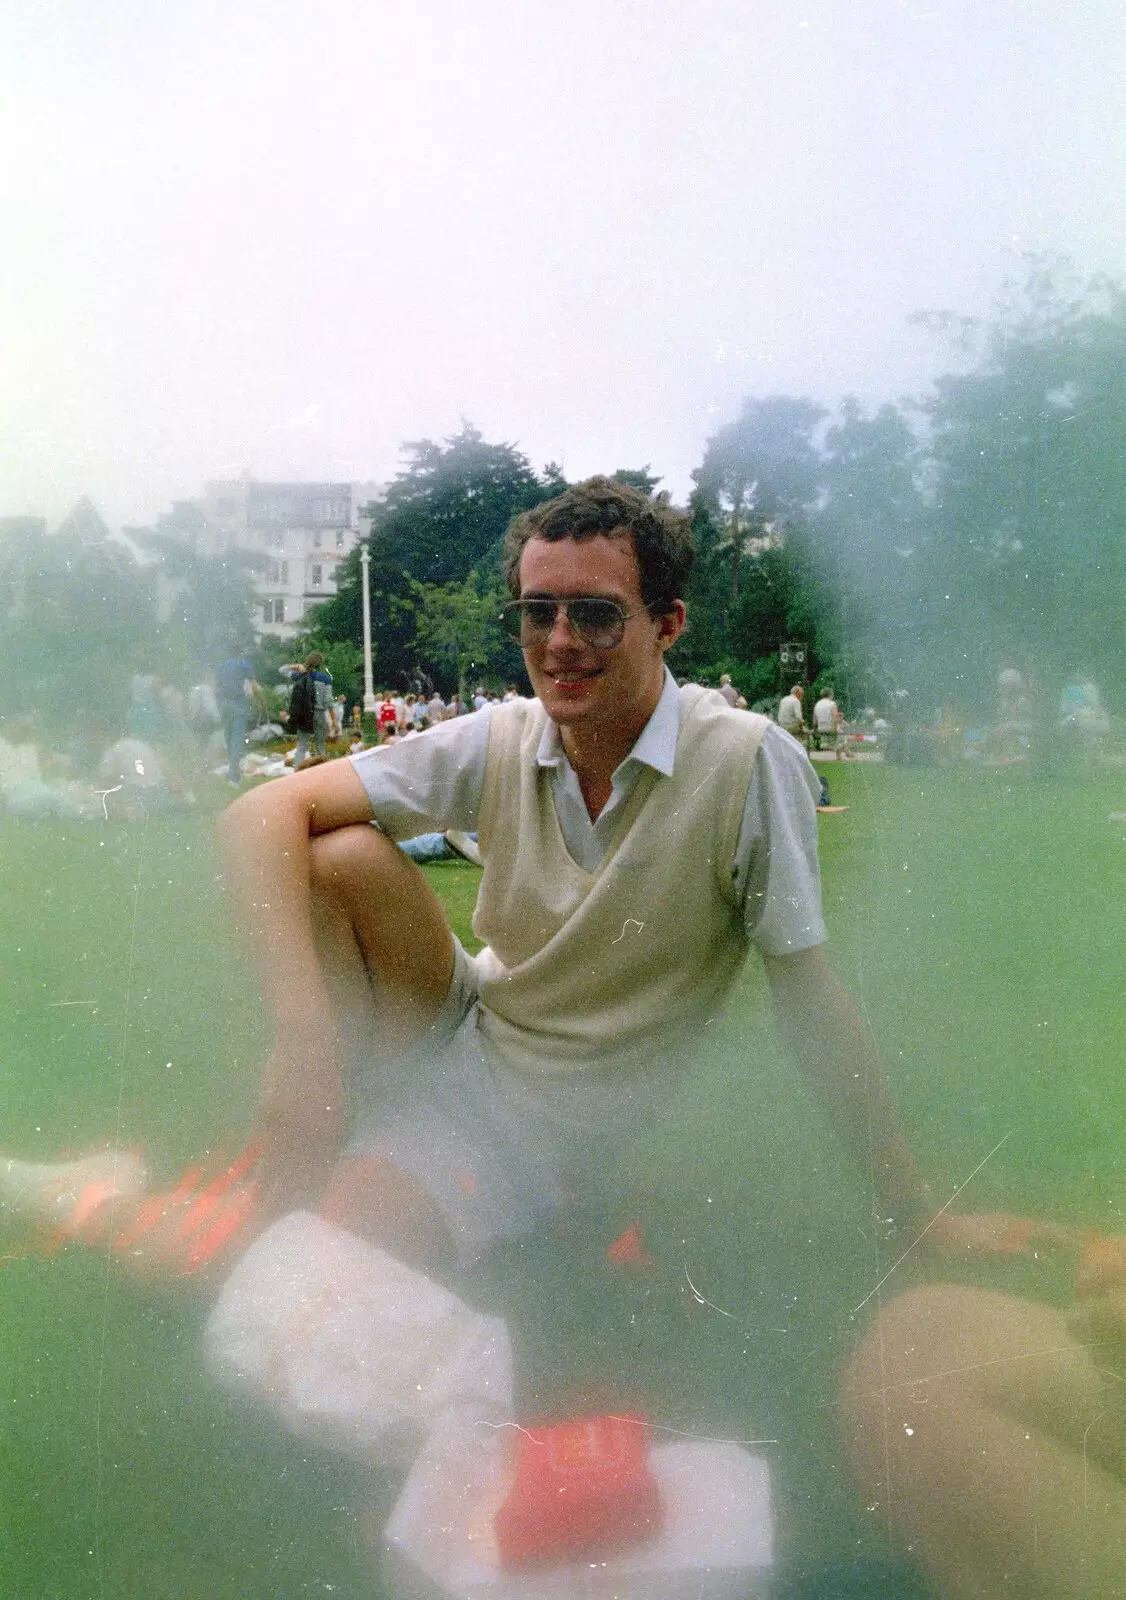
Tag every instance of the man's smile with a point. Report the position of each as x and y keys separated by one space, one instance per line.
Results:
x=567 y=677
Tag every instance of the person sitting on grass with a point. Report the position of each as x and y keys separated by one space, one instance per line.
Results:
x=990 y=1433
x=420 y=1106
x=437 y=1103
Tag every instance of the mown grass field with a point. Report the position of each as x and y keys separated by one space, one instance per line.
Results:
x=978 y=918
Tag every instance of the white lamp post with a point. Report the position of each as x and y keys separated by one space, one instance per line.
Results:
x=369 y=688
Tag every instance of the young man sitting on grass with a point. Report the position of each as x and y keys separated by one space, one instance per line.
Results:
x=637 y=840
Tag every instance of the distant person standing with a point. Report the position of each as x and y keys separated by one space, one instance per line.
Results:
x=827 y=722
x=203 y=717
x=1012 y=702
x=791 y=713
x=388 y=719
x=1012 y=738
x=1083 y=721
x=235 y=688
x=728 y=690
x=312 y=711
x=1080 y=705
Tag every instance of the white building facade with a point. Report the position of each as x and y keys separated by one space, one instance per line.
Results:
x=301 y=531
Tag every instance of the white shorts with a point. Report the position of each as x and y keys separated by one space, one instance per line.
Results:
x=496 y=1151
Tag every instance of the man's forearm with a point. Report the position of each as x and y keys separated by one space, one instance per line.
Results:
x=834 y=1049
x=265 y=843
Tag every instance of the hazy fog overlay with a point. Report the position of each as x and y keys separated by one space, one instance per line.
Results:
x=288 y=288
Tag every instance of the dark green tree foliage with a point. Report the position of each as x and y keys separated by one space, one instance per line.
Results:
x=636 y=478
x=442 y=518
x=866 y=542
x=759 y=472
x=84 y=524
x=704 y=642
x=451 y=505
x=1029 y=480
x=918 y=545
x=78 y=623
x=205 y=602
x=754 y=491
x=456 y=627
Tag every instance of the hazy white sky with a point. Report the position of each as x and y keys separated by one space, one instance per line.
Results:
x=284 y=236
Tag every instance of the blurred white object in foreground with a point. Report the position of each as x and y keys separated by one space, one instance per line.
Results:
x=351 y=1348
x=716 y=1542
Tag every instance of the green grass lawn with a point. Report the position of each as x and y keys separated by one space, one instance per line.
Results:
x=975 y=915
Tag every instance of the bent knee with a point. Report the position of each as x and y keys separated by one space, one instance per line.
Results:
x=950 y=1340
x=345 y=854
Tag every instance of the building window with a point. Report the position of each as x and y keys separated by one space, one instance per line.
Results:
x=330 y=510
x=273 y=610
x=317 y=575
x=340 y=538
x=318 y=539
x=275 y=538
x=277 y=574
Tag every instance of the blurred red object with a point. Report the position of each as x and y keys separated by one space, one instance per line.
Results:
x=628 y=1249
x=580 y=1486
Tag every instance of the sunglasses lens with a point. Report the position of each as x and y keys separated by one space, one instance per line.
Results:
x=528 y=620
x=598 y=622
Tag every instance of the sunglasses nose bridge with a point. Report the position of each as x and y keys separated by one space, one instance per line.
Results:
x=562 y=618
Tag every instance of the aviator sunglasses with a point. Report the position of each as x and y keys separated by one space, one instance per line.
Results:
x=597 y=622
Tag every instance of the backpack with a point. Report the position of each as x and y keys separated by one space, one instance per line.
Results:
x=302 y=703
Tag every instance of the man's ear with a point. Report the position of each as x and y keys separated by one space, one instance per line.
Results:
x=670 y=624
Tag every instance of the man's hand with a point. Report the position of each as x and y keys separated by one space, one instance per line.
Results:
x=978 y=1235
x=1100 y=1284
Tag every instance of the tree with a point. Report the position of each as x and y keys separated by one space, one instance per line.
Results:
x=451 y=506
x=443 y=517
x=867 y=542
x=205 y=602
x=457 y=623
x=84 y=524
x=1029 y=480
x=636 y=478
x=80 y=622
x=759 y=472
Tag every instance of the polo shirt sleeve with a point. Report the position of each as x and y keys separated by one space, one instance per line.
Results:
x=430 y=781
x=775 y=869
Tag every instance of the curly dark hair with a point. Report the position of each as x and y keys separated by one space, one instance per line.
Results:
x=662 y=537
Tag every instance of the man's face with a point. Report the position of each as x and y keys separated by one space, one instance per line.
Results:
x=577 y=684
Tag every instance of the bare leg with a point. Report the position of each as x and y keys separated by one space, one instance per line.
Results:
x=993 y=1445
x=383 y=940
x=387 y=945
x=387 y=949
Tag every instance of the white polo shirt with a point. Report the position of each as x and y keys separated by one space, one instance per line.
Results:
x=435 y=781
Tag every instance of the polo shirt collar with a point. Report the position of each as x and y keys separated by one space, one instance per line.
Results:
x=656 y=743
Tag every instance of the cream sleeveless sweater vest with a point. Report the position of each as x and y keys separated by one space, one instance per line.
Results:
x=596 y=970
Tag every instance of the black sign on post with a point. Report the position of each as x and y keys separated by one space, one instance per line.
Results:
x=792 y=658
